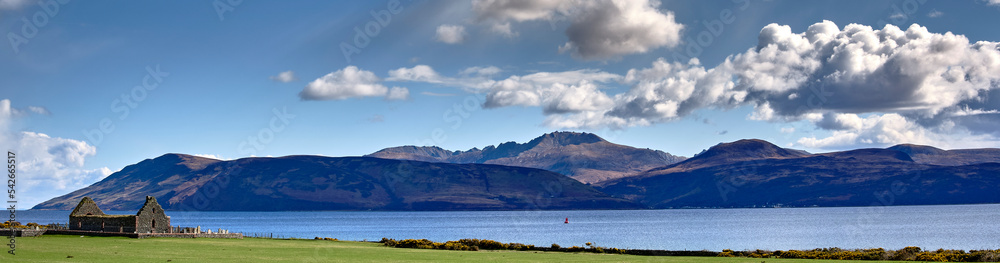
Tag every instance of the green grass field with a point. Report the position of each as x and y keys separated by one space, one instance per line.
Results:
x=60 y=248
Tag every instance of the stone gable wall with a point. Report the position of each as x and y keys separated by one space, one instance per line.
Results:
x=86 y=206
x=151 y=218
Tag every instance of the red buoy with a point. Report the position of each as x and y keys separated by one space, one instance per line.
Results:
x=567 y=221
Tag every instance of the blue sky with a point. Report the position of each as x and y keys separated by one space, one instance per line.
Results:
x=232 y=79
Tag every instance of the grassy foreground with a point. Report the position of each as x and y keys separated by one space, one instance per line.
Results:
x=60 y=248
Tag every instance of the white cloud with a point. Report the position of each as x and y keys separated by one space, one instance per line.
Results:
x=787 y=129
x=919 y=85
x=883 y=130
x=935 y=14
x=559 y=92
x=789 y=76
x=39 y=110
x=873 y=131
x=841 y=121
x=993 y=2
x=609 y=29
x=211 y=156
x=519 y=10
x=480 y=71
x=450 y=34
x=472 y=79
x=435 y=94
x=599 y=29
x=966 y=111
x=418 y=73
x=287 y=76
x=398 y=93
x=7 y=112
x=504 y=30
x=350 y=82
x=47 y=167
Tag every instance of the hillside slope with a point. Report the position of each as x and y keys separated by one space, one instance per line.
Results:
x=759 y=175
x=184 y=182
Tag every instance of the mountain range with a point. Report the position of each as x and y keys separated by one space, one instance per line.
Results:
x=561 y=170
x=186 y=182
x=582 y=156
x=756 y=173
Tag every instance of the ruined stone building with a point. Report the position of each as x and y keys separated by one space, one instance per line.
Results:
x=150 y=219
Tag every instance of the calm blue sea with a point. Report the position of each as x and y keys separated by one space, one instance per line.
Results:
x=930 y=227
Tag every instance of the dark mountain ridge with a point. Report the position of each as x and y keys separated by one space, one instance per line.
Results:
x=585 y=157
x=744 y=173
x=755 y=173
x=932 y=155
x=185 y=182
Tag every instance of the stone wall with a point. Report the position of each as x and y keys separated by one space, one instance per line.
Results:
x=87 y=206
x=104 y=223
x=22 y=232
x=193 y=235
x=151 y=219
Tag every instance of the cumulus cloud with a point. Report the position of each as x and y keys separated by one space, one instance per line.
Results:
x=285 y=77
x=598 y=30
x=418 y=73
x=559 y=92
x=608 y=29
x=993 y=2
x=876 y=130
x=450 y=34
x=56 y=162
x=791 y=76
x=866 y=86
x=350 y=82
x=47 y=166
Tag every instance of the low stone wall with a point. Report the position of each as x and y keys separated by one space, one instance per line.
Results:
x=90 y=233
x=192 y=235
x=22 y=232
x=143 y=235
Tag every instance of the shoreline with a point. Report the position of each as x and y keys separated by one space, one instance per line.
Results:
x=557 y=210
